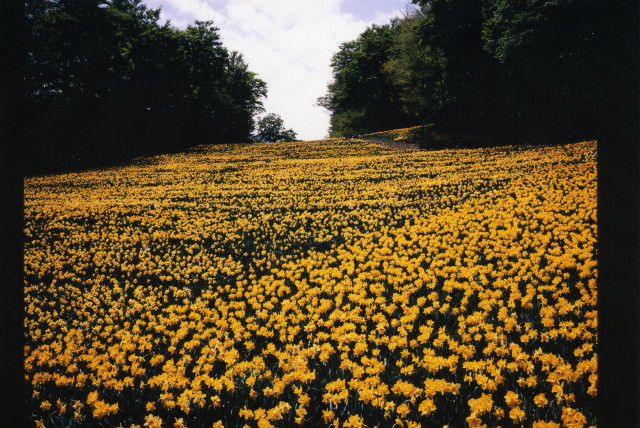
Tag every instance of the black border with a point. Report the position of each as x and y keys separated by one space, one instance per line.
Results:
x=12 y=120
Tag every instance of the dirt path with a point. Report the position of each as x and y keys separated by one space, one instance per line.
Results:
x=395 y=145
x=441 y=140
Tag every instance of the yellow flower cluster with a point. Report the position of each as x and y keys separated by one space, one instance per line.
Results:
x=327 y=282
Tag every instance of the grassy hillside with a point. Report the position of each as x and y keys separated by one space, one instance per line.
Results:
x=315 y=283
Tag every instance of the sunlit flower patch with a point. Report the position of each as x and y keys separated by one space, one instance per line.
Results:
x=410 y=135
x=331 y=283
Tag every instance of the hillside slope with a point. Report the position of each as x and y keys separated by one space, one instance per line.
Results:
x=315 y=282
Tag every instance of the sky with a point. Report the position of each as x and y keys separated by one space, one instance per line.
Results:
x=288 y=43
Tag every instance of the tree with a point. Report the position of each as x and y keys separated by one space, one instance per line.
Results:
x=525 y=69
x=414 y=70
x=245 y=92
x=459 y=70
x=360 y=97
x=106 y=81
x=271 y=128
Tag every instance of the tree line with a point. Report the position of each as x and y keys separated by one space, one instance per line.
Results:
x=106 y=81
x=534 y=70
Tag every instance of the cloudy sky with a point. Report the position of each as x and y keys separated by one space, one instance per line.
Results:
x=288 y=43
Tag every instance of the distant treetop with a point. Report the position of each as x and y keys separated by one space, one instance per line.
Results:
x=270 y=128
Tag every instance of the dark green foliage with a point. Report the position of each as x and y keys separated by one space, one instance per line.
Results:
x=361 y=97
x=245 y=91
x=452 y=30
x=558 y=62
x=270 y=128
x=533 y=70
x=106 y=81
x=413 y=69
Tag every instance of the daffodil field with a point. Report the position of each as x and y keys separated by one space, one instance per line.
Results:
x=318 y=283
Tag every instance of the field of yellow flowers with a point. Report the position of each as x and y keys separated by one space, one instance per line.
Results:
x=320 y=283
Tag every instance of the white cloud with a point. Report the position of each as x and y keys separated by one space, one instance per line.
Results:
x=200 y=8
x=288 y=43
